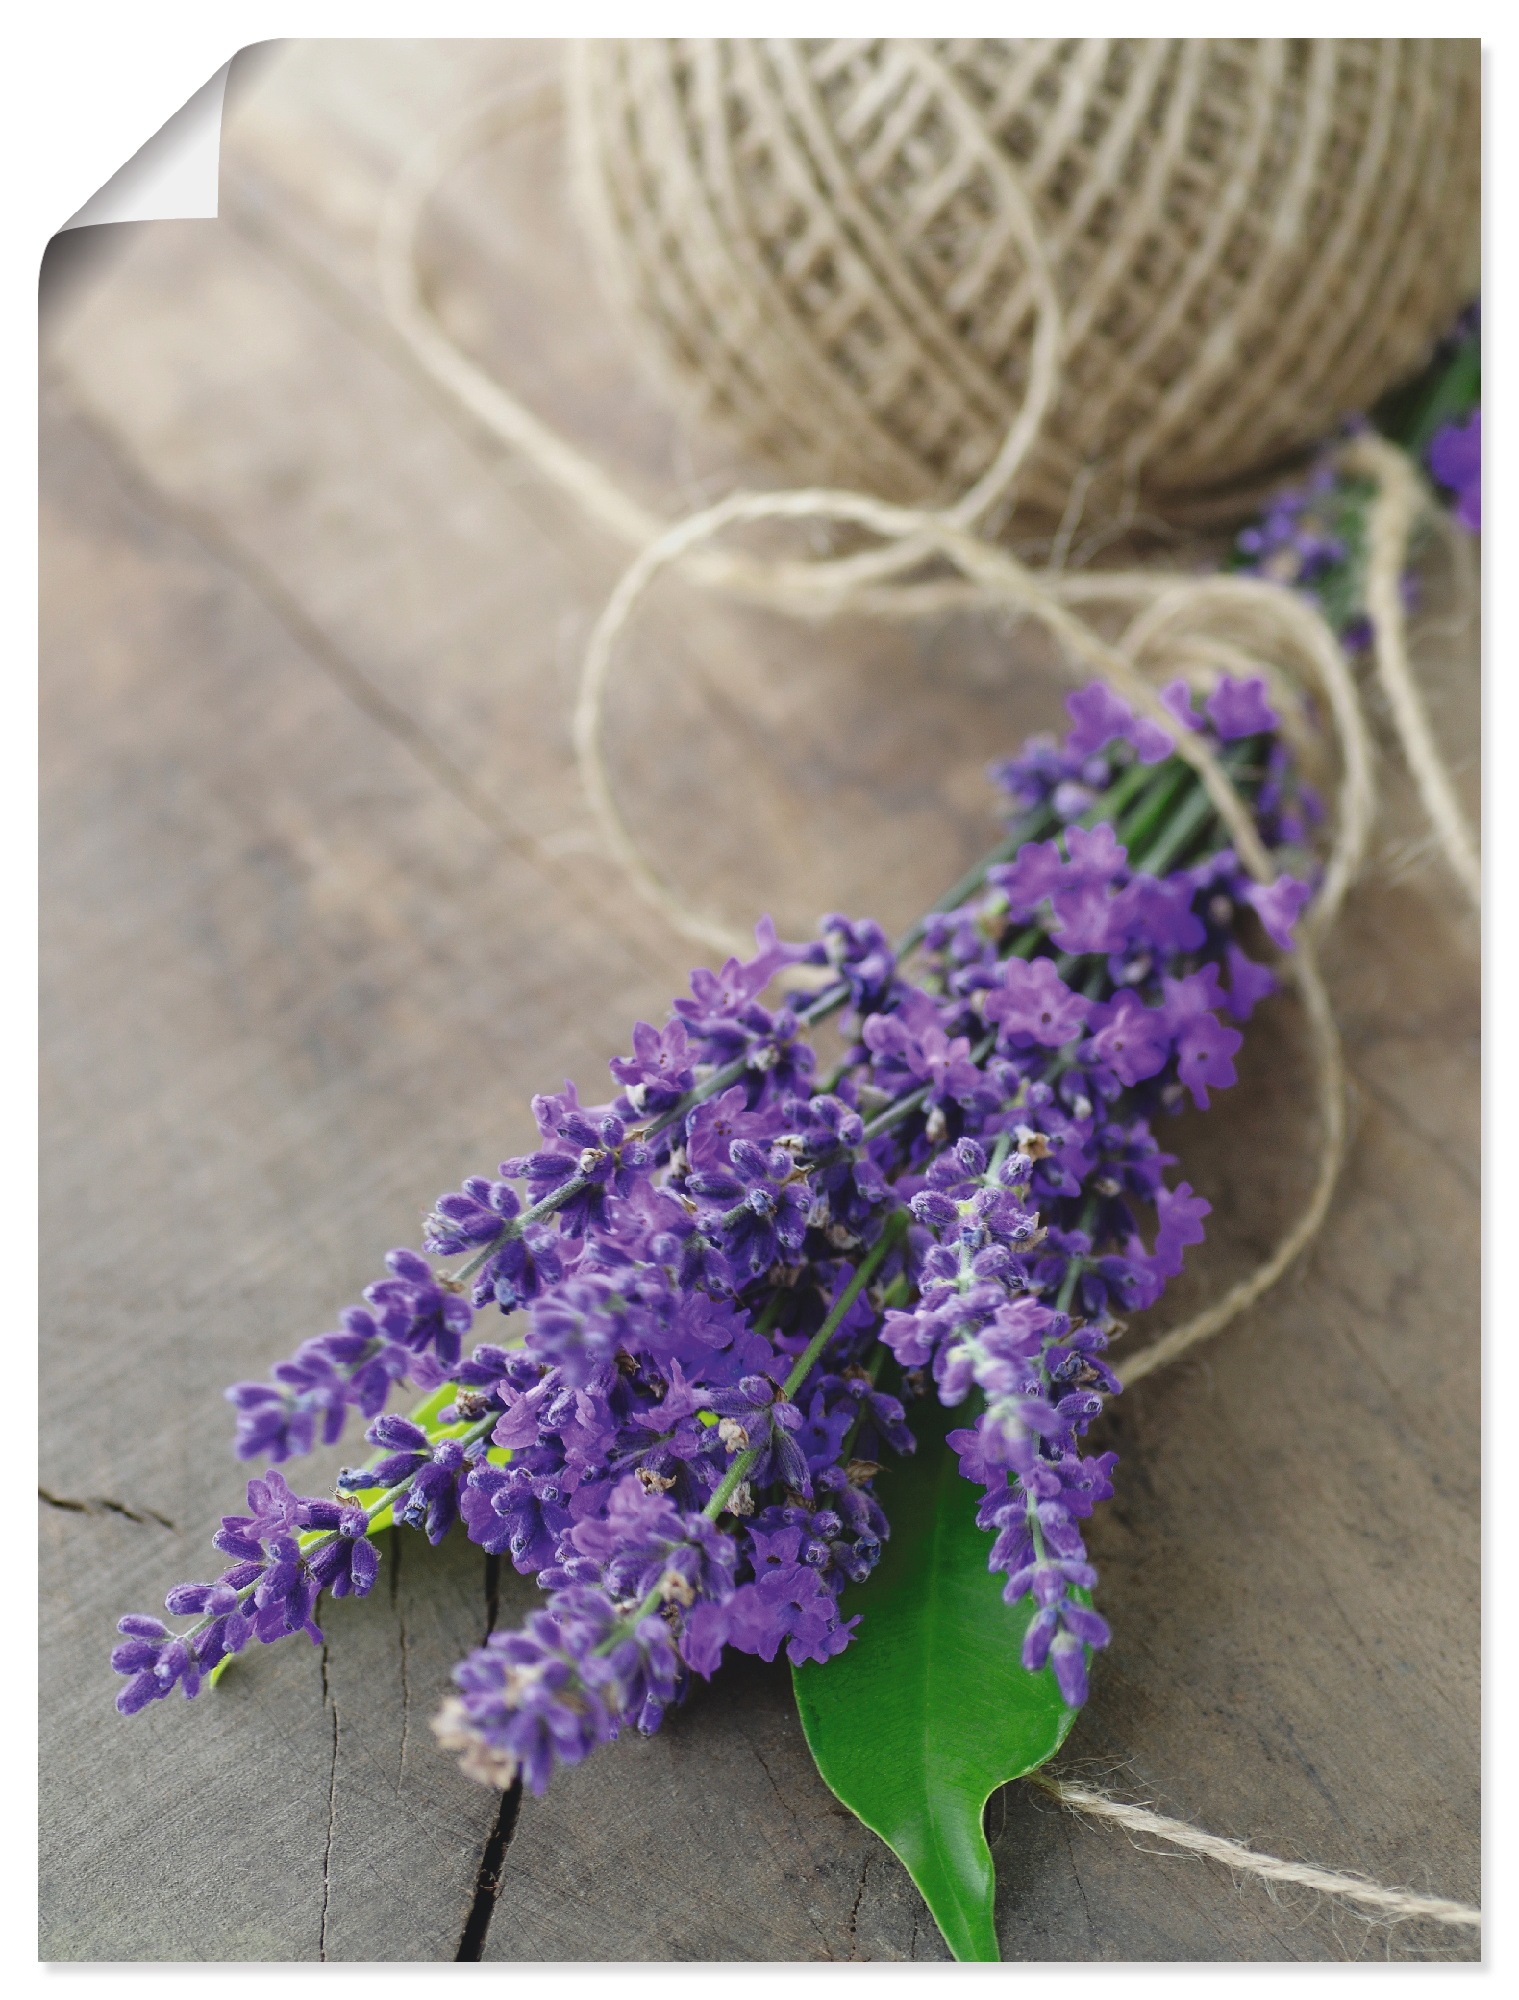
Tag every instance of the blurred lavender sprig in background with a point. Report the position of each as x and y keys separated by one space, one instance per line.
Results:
x=1311 y=536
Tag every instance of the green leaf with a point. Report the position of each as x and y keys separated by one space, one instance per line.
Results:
x=919 y=1721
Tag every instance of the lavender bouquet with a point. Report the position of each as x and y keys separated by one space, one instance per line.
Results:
x=734 y=1298
x=789 y=1360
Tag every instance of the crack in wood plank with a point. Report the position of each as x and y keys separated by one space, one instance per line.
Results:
x=854 y=1912
x=492 y=1593
x=328 y=1700
x=791 y=1812
x=488 y=1878
x=405 y=1659
x=97 y=1504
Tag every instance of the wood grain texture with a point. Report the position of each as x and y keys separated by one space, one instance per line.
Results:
x=323 y=909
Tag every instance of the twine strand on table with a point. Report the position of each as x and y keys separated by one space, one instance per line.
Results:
x=1395 y=512
x=1209 y=624
x=1394 y=1903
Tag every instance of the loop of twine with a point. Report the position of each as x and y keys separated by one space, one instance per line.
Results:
x=1209 y=625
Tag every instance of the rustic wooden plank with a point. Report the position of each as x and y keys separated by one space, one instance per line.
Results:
x=323 y=913
x=312 y=141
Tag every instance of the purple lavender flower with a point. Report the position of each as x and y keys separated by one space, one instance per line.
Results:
x=1278 y=906
x=510 y=1510
x=1455 y=459
x=432 y=1504
x=1239 y=708
x=714 y=1124
x=550 y=1693
x=1034 y=1004
x=1134 y=1040
x=1180 y=1214
x=902 y=1059
x=863 y=956
x=755 y=1208
x=1034 y=876
x=728 y=1024
x=845 y=1171
x=790 y=1606
x=644 y=1544
x=588 y=1160
x=756 y=1417
x=520 y=1269
x=1102 y=717
x=1177 y=696
x=1205 y=1048
x=155 y=1659
x=475 y=1215
x=1249 y=983
x=579 y=1326
x=309 y=1399
x=1312 y=536
x=273 y=1510
x=416 y=1312
x=1295 y=541
x=347 y=1563
x=659 y=1072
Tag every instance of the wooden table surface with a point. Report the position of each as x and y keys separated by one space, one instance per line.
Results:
x=323 y=908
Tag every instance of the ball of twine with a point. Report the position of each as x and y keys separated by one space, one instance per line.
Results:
x=1171 y=263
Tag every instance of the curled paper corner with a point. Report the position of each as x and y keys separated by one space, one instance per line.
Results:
x=173 y=177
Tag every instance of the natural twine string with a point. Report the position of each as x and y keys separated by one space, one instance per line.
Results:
x=1267 y=1867
x=1206 y=625
x=1395 y=512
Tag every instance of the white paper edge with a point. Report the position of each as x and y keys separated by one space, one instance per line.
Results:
x=176 y=175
